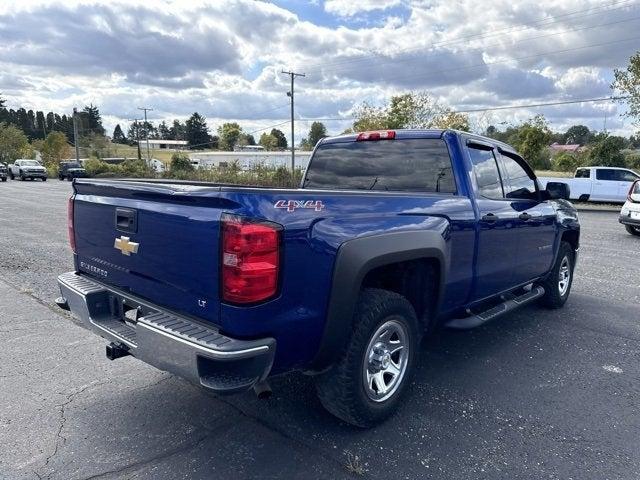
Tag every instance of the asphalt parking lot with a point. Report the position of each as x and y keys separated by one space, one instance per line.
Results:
x=538 y=394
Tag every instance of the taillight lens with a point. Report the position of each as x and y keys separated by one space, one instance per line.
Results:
x=70 y=229
x=250 y=259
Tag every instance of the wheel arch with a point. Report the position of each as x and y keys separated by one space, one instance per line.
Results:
x=356 y=261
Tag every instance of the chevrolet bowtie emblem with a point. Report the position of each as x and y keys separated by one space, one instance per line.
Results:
x=125 y=246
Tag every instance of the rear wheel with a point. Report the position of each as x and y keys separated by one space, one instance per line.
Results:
x=632 y=230
x=367 y=383
x=557 y=285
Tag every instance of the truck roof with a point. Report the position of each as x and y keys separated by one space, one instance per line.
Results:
x=420 y=133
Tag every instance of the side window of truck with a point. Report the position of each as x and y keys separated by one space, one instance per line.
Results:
x=485 y=169
x=606 y=174
x=626 y=176
x=583 y=173
x=517 y=183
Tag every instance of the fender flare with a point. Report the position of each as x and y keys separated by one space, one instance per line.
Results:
x=356 y=258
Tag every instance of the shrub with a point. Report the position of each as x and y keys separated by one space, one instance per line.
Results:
x=566 y=162
x=180 y=162
x=633 y=160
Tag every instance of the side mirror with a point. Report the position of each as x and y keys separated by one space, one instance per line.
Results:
x=557 y=191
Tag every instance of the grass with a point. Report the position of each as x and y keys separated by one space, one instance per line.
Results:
x=549 y=173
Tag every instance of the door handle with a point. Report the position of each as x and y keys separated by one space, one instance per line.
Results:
x=524 y=216
x=490 y=217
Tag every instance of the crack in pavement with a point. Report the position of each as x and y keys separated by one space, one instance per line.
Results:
x=70 y=398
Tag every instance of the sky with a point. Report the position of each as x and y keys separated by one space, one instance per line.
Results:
x=224 y=59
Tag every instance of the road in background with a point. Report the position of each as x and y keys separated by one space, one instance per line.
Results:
x=538 y=394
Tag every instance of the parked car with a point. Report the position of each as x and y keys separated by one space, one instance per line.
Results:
x=598 y=184
x=630 y=212
x=3 y=172
x=30 y=169
x=391 y=234
x=71 y=170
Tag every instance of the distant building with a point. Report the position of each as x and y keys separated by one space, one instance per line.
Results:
x=248 y=160
x=571 y=148
x=165 y=144
x=248 y=148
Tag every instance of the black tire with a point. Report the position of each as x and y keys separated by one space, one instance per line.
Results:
x=70 y=178
x=4 y=179
x=11 y=176
x=60 y=178
x=23 y=178
x=343 y=389
x=632 y=230
x=44 y=179
x=555 y=296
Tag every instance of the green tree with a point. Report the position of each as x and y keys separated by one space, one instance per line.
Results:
x=280 y=137
x=627 y=82
x=118 y=135
x=197 y=132
x=180 y=162
x=14 y=143
x=163 y=131
x=409 y=110
x=578 y=134
x=246 y=139
x=92 y=120
x=54 y=149
x=607 y=152
x=531 y=139
x=229 y=134
x=268 y=141
x=316 y=133
x=177 y=131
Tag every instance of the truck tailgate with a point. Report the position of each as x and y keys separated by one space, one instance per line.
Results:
x=139 y=237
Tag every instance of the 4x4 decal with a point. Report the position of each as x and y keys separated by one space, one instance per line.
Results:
x=291 y=205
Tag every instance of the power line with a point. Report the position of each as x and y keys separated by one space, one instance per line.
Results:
x=478 y=36
x=436 y=54
x=526 y=57
x=503 y=107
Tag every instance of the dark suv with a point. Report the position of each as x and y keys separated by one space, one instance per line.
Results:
x=3 y=172
x=71 y=170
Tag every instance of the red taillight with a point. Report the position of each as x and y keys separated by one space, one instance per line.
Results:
x=72 y=233
x=250 y=259
x=381 y=135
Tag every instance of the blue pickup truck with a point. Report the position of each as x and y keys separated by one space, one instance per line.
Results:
x=390 y=235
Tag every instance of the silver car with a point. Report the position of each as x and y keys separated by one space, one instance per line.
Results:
x=630 y=213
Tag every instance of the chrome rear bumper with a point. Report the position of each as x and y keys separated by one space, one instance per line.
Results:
x=177 y=344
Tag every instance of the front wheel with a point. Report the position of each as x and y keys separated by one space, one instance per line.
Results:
x=44 y=179
x=367 y=383
x=632 y=230
x=557 y=285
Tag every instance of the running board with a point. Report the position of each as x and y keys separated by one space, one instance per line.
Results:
x=477 y=319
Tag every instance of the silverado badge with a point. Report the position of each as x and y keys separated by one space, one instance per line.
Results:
x=125 y=246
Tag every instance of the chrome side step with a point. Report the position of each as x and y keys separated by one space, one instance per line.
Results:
x=477 y=319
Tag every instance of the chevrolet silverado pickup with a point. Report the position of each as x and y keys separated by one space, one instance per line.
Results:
x=390 y=234
x=598 y=184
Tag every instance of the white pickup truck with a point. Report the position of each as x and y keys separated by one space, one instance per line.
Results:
x=597 y=184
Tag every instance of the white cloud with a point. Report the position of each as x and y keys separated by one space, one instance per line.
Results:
x=349 y=8
x=223 y=59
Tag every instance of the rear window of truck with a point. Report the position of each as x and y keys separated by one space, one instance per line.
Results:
x=413 y=165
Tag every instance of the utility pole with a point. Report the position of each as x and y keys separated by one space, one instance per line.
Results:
x=146 y=130
x=75 y=133
x=293 y=75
